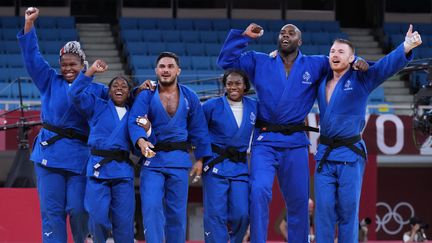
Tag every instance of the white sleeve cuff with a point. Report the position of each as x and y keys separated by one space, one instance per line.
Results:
x=149 y=132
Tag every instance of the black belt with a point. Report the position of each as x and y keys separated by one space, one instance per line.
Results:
x=230 y=153
x=110 y=155
x=333 y=143
x=171 y=146
x=62 y=133
x=284 y=129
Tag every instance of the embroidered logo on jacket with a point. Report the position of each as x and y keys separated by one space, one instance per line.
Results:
x=306 y=78
x=347 y=86
x=252 y=118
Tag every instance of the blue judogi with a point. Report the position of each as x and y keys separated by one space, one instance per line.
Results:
x=59 y=166
x=226 y=185
x=286 y=101
x=110 y=193
x=164 y=178
x=338 y=185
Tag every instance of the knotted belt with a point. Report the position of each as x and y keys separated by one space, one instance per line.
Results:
x=110 y=155
x=62 y=133
x=334 y=143
x=230 y=153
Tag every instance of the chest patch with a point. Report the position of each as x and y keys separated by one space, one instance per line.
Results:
x=306 y=78
x=348 y=86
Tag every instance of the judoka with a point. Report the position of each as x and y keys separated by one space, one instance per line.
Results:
x=286 y=87
x=231 y=119
x=110 y=193
x=178 y=122
x=60 y=150
x=341 y=156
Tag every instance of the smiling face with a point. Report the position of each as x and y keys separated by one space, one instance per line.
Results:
x=235 y=87
x=340 y=56
x=70 y=66
x=289 y=39
x=167 y=71
x=119 y=91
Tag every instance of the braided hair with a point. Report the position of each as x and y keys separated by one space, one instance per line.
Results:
x=74 y=47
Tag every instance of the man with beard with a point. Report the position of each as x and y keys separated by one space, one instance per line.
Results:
x=341 y=156
x=178 y=122
x=286 y=87
x=60 y=151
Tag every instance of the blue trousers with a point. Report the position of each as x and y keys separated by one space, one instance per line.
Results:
x=337 y=198
x=61 y=193
x=226 y=202
x=164 y=193
x=111 y=206
x=291 y=167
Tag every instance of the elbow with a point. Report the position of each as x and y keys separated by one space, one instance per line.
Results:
x=222 y=63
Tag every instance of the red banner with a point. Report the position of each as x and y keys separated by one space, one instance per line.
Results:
x=20 y=219
x=386 y=134
x=402 y=193
x=389 y=195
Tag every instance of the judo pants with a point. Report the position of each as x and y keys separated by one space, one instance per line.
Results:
x=61 y=193
x=164 y=193
x=111 y=207
x=337 y=198
x=292 y=169
x=226 y=204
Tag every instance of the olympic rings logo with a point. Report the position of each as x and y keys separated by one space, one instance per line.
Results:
x=393 y=215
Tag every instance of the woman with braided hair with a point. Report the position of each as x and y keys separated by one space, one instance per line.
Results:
x=60 y=151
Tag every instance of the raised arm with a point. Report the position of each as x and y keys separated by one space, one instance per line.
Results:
x=233 y=53
x=83 y=100
x=31 y=14
x=38 y=69
x=394 y=61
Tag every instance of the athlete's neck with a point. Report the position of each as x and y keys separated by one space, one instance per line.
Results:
x=168 y=88
x=338 y=74
x=233 y=102
x=289 y=58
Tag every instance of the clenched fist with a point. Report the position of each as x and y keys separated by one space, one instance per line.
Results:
x=254 y=31
x=31 y=14
x=98 y=66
